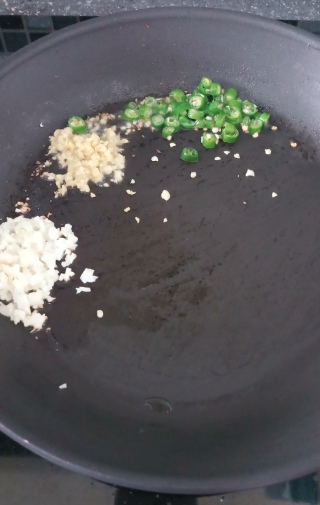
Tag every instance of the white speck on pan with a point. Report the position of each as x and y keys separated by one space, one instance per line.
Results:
x=237 y=155
x=100 y=313
x=193 y=175
x=63 y=386
x=255 y=135
x=137 y=219
x=250 y=173
x=274 y=195
x=130 y=192
x=126 y=209
x=172 y=144
x=132 y=181
x=226 y=152
x=154 y=158
x=165 y=195
x=217 y=158
x=92 y=195
x=41 y=125
x=87 y=276
x=83 y=289
x=267 y=151
x=165 y=220
x=274 y=127
x=293 y=144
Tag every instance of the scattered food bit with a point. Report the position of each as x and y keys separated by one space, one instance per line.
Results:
x=293 y=144
x=137 y=219
x=158 y=151
x=22 y=208
x=255 y=135
x=250 y=173
x=245 y=203
x=93 y=195
x=30 y=250
x=106 y=185
x=90 y=156
x=274 y=195
x=226 y=152
x=215 y=130
x=245 y=128
x=126 y=209
x=67 y=275
x=100 y=313
x=83 y=289
x=41 y=125
x=63 y=386
x=267 y=151
x=165 y=195
x=154 y=158
x=172 y=144
x=130 y=192
x=274 y=127
x=132 y=181
x=165 y=220
x=87 y=276
x=217 y=158
x=193 y=175
x=237 y=155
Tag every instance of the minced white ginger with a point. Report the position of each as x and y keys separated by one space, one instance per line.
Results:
x=29 y=252
x=89 y=157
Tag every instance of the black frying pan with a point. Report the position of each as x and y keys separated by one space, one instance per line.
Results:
x=204 y=374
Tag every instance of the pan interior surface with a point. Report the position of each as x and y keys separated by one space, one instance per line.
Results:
x=203 y=374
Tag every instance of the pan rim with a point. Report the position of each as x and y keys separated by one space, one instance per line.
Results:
x=113 y=475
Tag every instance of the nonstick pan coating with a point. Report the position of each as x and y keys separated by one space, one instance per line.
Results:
x=203 y=376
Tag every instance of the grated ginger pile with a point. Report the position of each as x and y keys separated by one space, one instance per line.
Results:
x=90 y=157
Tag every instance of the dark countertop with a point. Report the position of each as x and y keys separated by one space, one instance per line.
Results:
x=279 y=9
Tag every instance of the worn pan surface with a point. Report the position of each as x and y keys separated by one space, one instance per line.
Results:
x=204 y=373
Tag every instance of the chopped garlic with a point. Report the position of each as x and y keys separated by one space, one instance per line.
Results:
x=267 y=151
x=255 y=135
x=226 y=152
x=83 y=289
x=165 y=220
x=87 y=276
x=172 y=144
x=137 y=219
x=217 y=158
x=215 y=130
x=154 y=158
x=100 y=313
x=132 y=181
x=41 y=125
x=250 y=173
x=193 y=175
x=131 y=192
x=92 y=195
x=274 y=194
x=274 y=127
x=63 y=386
x=126 y=209
x=237 y=155
x=293 y=144
x=165 y=195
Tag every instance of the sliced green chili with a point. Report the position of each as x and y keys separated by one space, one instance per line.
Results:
x=220 y=119
x=132 y=105
x=173 y=122
x=178 y=95
x=168 y=131
x=234 y=116
x=229 y=133
x=200 y=124
x=264 y=116
x=215 y=89
x=77 y=124
x=195 y=114
x=230 y=94
x=198 y=102
x=186 y=123
x=189 y=154
x=249 y=108
x=209 y=123
x=157 y=121
x=145 y=112
x=130 y=114
x=181 y=109
x=150 y=102
x=208 y=140
x=214 y=108
x=255 y=126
